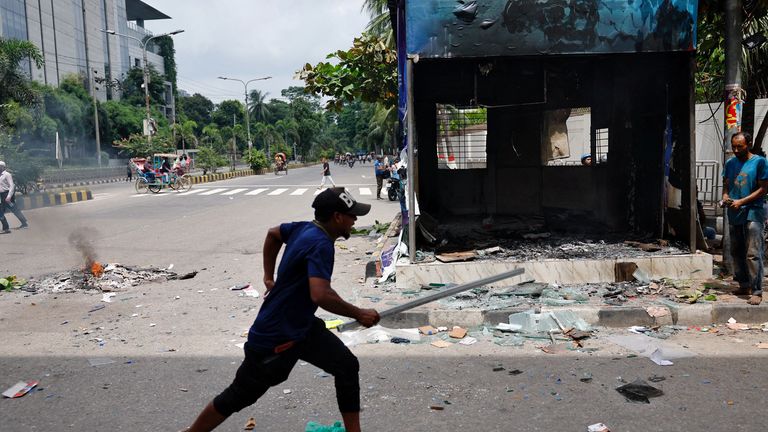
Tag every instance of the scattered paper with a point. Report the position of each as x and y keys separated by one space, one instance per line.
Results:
x=598 y=427
x=332 y=324
x=250 y=424
x=458 y=332
x=762 y=345
x=469 y=340
x=441 y=344
x=657 y=358
x=658 y=311
x=427 y=330
x=250 y=292
x=107 y=297
x=20 y=389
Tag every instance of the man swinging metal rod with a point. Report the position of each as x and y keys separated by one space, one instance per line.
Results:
x=349 y=325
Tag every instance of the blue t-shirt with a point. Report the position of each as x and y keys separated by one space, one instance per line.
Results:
x=743 y=179
x=288 y=311
x=378 y=168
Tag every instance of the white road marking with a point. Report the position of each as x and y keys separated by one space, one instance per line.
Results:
x=277 y=191
x=317 y=192
x=256 y=191
x=365 y=191
x=299 y=191
x=192 y=191
x=213 y=191
x=235 y=191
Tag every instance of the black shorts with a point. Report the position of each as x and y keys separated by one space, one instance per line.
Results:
x=261 y=370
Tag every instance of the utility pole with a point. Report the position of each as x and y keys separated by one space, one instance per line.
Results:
x=96 y=118
x=234 y=141
x=734 y=95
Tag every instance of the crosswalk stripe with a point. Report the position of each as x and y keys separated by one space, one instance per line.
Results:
x=277 y=191
x=192 y=191
x=365 y=191
x=213 y=191
x=234 y=191
x=299 y=191
x=256 y=191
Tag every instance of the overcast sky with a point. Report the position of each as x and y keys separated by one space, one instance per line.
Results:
x=248 y=39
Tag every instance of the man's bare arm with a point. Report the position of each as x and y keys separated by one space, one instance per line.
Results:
x=327 y=298
x=272 y=244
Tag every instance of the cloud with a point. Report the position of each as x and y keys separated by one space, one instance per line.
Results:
x=250 y=39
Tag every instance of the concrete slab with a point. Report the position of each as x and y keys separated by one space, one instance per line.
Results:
x=561 y=271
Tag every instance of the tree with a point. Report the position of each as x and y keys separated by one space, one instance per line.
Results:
x=257 y=106
x=122 y=120
x=380 y=23
x=367 y=72
x=14 y=84
x=186 y=133
x=209 y=160
x=137 y=145
x=197 y=108
x=225 y=111
x=133 y=90
x=256 y=159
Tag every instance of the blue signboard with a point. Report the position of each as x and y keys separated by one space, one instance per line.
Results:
x=482 y=28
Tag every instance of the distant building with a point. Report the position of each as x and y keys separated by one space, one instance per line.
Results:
x=68 y=33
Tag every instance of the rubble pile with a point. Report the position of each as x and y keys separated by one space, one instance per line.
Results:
x=115 y=277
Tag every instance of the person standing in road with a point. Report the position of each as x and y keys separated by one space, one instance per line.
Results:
x=286 y=329
x=745 y=184
x=129 y=171
x=380 y=170
x=7 y=200
x=326 y=174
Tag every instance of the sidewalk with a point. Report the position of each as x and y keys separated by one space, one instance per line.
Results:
x=607 y=305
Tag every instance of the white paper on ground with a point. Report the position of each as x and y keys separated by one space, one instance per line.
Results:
x=107 y=297
x=657 y=358
x=646 y=346
x=250 y=292
x=377 y=334
x=468 y=340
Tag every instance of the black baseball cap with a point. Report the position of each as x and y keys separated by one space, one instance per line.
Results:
x=338 y=199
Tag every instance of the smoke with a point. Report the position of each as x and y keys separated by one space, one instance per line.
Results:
x=82 y=240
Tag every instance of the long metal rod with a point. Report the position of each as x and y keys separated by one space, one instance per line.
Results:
x=437 y=296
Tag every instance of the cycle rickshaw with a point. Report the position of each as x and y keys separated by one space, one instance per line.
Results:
x=154 y=180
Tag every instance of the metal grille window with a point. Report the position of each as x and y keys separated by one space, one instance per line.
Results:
x=461 y=137
x=601 y=146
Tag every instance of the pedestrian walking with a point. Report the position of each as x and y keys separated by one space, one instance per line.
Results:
x=381 y=172
x=286 y=329
x=8 y=200
x=745 y=183
x=326 y=174
x=129 y=171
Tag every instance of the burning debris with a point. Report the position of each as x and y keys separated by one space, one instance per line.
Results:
x=112 y=277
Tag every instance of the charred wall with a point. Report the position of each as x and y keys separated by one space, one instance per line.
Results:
x=628 y=94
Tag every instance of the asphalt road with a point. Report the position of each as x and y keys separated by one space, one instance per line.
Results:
x=215 y=223
x=174 y=344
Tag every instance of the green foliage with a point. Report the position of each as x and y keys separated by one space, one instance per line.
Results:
x=12 y=282
x=197 y=108
x=122 y=120
x=137 y=145
x=258 y=109
x=367 y=72
x=226 y=110
x=168 y=52
x=256 y=159
x=14 y=84
x=23 y=168
x=133 y=92
x=209 y=160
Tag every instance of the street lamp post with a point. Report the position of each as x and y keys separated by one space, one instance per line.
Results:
x=145 y=69
x=245 y=86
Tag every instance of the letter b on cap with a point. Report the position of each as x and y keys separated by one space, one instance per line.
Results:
x=347 y=199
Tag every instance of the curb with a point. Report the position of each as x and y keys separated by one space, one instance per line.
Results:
x=49 y=199
x=88 y=182
x=224 y=176
x=686 y=315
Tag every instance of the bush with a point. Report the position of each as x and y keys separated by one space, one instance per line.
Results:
x=209 y=160
x=256 y=159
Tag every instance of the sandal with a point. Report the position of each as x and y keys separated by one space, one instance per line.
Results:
x=755 y=300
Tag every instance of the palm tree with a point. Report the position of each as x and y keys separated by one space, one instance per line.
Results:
x=257 y=106
x=380 y=24
x=14 y=84
x=382 y=127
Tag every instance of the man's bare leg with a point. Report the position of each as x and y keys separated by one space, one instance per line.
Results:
x=208 y=419
x=351 y=421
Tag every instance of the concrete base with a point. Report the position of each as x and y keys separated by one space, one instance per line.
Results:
x=565 y=272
